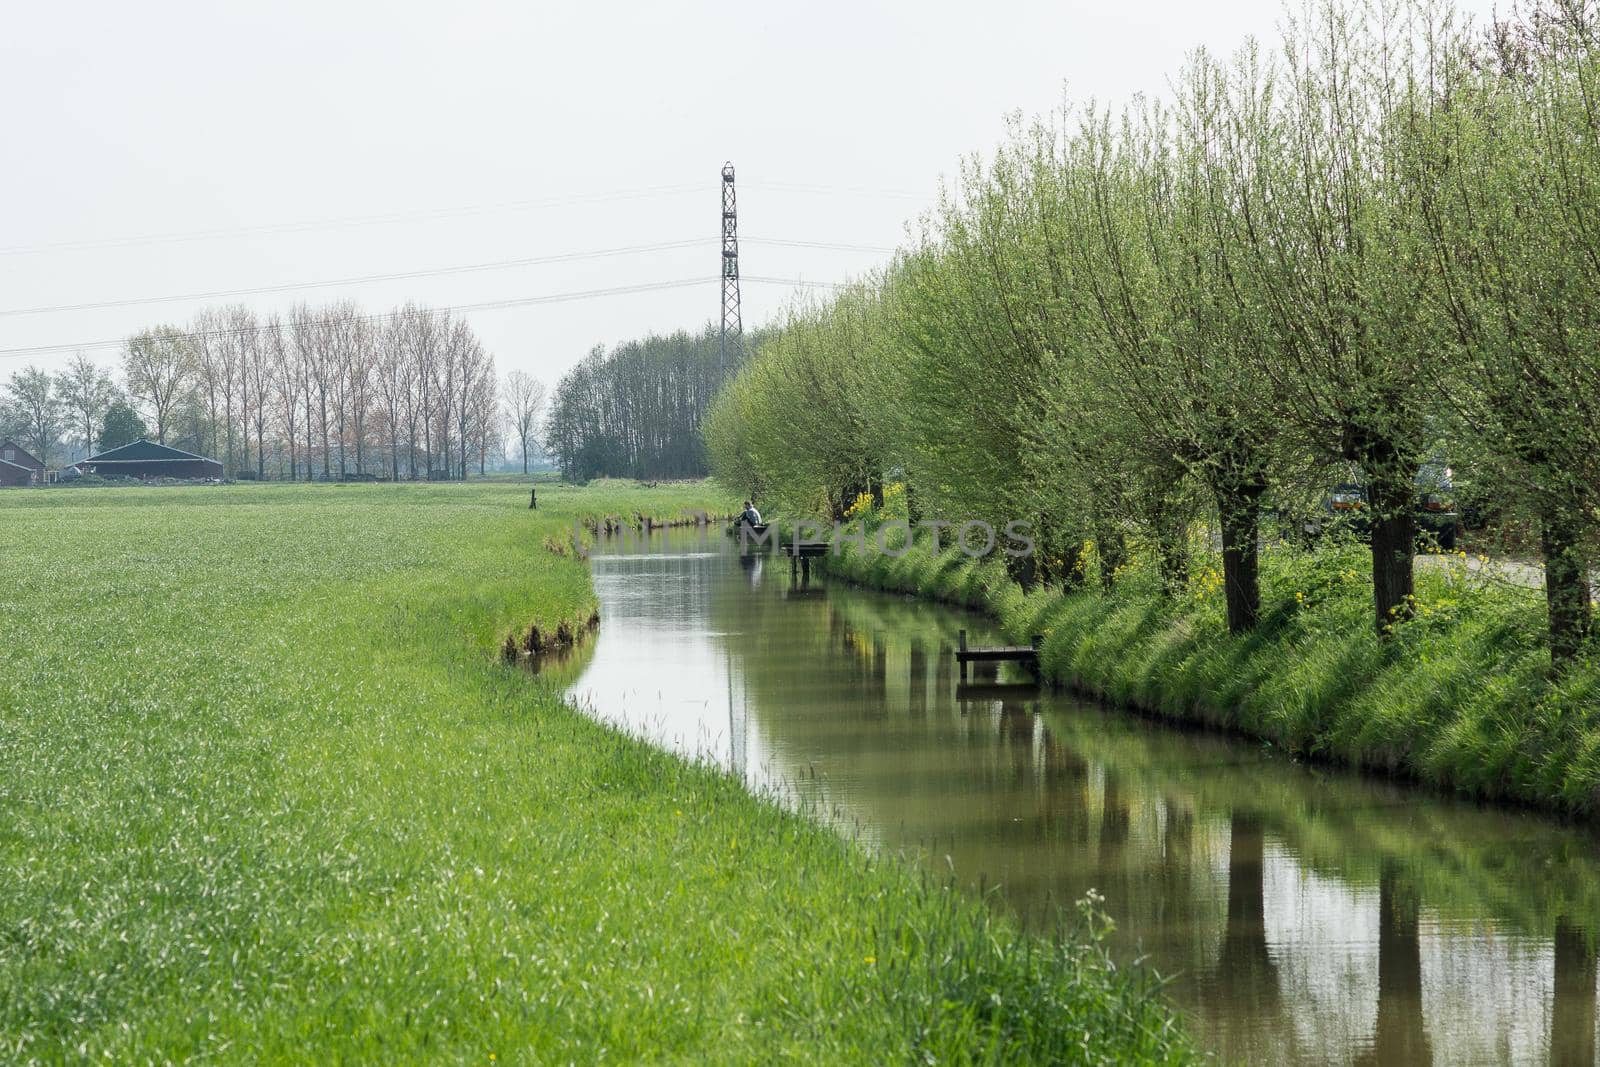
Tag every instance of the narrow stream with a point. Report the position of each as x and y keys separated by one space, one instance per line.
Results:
x=1304 y=914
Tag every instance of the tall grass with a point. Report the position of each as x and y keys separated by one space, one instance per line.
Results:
x=1463 y=697
x=267 y=794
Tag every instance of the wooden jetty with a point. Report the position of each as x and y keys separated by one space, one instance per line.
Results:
x=801 y=553
x=1027 y=655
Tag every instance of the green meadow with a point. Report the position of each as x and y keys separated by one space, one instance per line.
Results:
x=269 y=793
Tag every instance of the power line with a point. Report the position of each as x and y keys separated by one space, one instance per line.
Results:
x=801 y=282
x=349 y=221
x=832 y=245
x=429 y=214
x=490 y=305
x=833 y=190
x=503 y=264
x=549 y=298
x=465 y=268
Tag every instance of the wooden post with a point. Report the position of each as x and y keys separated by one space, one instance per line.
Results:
x=962 y=647
x=1038 y=666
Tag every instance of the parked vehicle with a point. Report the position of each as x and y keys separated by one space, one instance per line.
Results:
x=1346 y=507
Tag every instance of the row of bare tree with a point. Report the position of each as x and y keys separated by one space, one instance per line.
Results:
x=323 y=391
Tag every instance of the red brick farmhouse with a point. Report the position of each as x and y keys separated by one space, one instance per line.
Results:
x=17 y=465
x=146 y=459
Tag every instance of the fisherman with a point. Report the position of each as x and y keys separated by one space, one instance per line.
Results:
x=750 y=516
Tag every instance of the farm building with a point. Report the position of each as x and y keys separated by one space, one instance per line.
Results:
x=15 y=455
x=14 y=474
x=146 y=459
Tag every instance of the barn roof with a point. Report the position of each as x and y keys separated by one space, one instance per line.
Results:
x=7 y=463
x=23 y=453
x=144 y=452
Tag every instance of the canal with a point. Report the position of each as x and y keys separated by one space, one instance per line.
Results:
x=1302 y=914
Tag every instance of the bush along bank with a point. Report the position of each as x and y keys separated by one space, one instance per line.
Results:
x=1458 y=694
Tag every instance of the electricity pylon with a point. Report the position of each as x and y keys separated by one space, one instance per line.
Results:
x=732 y=349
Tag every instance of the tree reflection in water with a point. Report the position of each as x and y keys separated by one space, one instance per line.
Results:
x=1305 y=914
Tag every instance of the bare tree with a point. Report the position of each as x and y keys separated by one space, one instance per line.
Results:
x=87 y=390
x=470 y=364
x=343 y=337
x=423 y=334
x=358 y=368
x=239 y=324
x=486 y=415
x=206 y=332
x=443 y=368
x=284 y=357
x=36 y=409
x=158 y=366
x=311 y=344
x=395 y=378
x=260 y=361
x=524 y=395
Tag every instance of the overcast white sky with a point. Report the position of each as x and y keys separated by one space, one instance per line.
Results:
x=564 y=128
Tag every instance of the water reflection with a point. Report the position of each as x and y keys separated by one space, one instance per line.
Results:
x=1305 y=915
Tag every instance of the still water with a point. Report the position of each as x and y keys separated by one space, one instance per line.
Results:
x=1302 y=914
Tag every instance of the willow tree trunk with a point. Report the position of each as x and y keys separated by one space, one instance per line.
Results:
x=1068 y=567
x=1024 y=570
x=1171 y=528
x=1112 y=545
x=1566 y=580
x=1393 y=552
x=1391 y=488
x=1239 y=509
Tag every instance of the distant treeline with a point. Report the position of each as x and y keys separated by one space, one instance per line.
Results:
x=321 y=392
x=634 y=411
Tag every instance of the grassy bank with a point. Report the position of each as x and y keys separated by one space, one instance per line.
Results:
x=1461 y=696
x=267 y=793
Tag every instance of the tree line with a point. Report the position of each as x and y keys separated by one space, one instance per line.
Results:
x=634 y=410
x=320 y=392
x=1367 y=249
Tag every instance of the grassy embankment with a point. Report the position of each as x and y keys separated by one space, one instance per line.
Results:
x=268 y=794
x=1460 y=696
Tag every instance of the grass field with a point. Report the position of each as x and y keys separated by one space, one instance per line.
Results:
x=268 y=794
x=1460 y=696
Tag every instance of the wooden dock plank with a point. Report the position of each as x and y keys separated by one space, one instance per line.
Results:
x=1027 y=655
x=997 y=653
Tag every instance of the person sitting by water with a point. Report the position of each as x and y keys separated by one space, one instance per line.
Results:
x=750 y=516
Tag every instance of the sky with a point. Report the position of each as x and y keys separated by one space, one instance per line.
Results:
x=167 y=149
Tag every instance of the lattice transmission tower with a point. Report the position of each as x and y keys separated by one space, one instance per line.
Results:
x=732 y=351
